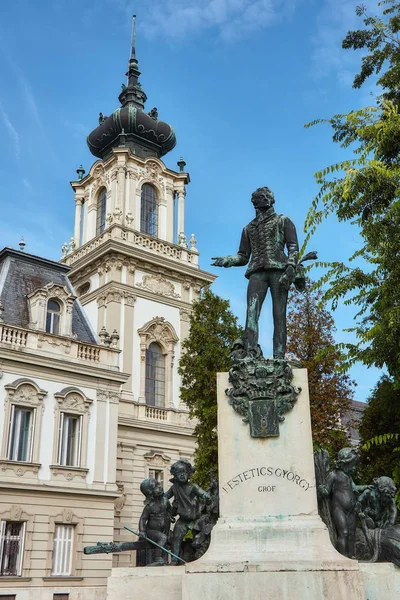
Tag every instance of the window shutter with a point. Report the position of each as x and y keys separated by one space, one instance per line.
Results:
x=79 y=442
x=60 y=438
x=62 y=552
x=11 y=433
x=31 y=433
x=2 y=537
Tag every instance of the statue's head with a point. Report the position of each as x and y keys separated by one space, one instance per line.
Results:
x=151 y=488
x=347 y=459
x=182 y=470
x=262 y=198
x=385 y=487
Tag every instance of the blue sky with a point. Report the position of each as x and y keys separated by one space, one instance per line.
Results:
x=237 y=79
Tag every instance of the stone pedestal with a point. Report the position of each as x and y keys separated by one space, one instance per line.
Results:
x=269 y=542
x=269 y=518
x=143 y=583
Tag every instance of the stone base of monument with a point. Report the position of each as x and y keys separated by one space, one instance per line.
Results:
x=269 y=542
x=379 y=581
x=143 y=583
x=269 y=535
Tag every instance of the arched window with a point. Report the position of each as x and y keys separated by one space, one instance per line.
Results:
x=53 y=317
x=148 y=210
x=155 y=376
x=101 y=211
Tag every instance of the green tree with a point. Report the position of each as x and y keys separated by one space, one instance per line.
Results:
x=365 y=189
x=381 y=416
x=380 y=38
x=213 y=330
x=311 y=342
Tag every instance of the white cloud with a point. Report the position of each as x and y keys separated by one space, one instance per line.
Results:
x=230 y=19
x=12 y=132
x=29 y=100
x=28 y=94
x=335 y=19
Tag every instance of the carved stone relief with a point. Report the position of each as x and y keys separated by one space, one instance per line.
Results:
x=119 y=502
x=158 y=285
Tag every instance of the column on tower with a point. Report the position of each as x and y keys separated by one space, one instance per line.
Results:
x=89 y=230
x=130 y=199
x=169 y=197
x=113 y=199
x=162 y=216
x=78 y=217
x=181 y=210
x=127 y=345
x=120 y=204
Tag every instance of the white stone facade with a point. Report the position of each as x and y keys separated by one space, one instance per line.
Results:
x=136 y=289
x=49 y=376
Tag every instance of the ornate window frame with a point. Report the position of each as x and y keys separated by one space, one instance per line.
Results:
x=23 y=393
x=157 y=192
x=157 y=460
x=17 y=513
x=66 y=517
x=101 y=204
x=71 y=401
x=37 y=302
x=163 y=333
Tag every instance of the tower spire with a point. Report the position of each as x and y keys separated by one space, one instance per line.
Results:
x=132 y=94
x=133 y=39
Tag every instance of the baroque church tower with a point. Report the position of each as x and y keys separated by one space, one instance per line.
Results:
x=136 y=277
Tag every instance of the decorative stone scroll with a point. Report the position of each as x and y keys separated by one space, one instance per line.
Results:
x=158 y=285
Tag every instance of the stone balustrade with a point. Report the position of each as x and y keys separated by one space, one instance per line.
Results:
x=138 y=240
x=42 y=343
x=158 y=414
x=136 y=411
x=13 y=337
x=90 y=353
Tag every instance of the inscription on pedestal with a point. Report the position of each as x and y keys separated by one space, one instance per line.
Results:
x=266 y=472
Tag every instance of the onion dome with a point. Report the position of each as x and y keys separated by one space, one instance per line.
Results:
x=129 y=125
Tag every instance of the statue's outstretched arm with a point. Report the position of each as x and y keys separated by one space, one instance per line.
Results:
x=235 y=260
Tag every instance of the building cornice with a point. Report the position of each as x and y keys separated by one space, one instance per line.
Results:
x=110 y=245
x=108 y=162
x=129 y=291
x=51 y=363
x=5 y=252
x=155 y=426
x=28 y=488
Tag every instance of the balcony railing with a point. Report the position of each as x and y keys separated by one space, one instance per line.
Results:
x=13 y=336
x=136 y=239
x=42 y=343
x=89 y=353
x=159 y=414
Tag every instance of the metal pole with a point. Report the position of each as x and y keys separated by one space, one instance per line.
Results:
x=133 y=41
x=155 y=544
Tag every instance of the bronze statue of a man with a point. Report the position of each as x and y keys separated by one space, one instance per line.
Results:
x=263 y=243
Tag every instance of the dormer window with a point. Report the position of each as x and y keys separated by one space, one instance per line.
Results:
x=148 y=210
x=53 y=317
x=50 y=309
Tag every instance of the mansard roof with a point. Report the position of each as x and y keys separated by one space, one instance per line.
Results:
x=20 y=275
